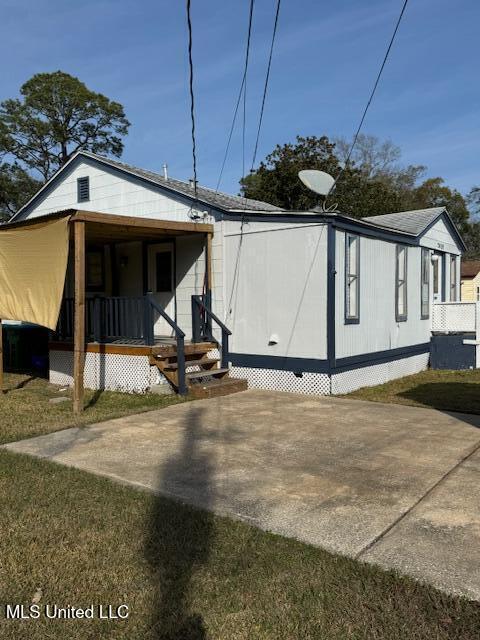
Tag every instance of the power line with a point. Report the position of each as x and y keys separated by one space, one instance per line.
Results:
x=267 y=77
x=239 y=98
x=192 y=99
x=372 y=93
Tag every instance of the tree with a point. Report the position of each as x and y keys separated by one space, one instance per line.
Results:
x=276 y=180
x=434 y=193
x=56 y=116
x=16 y=188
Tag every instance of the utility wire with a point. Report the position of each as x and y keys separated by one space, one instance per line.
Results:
x=239 y=98
x=192 y=98
x=372 y=93
x=267 y=77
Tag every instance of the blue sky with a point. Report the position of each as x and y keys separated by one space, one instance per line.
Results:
x=326 y=57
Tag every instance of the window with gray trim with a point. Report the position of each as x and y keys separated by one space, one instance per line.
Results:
x=401 y=284
x=83 y=189
x=425 y=285
x=352 y=278
x=453 y=278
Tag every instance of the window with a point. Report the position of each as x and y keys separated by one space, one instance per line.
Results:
x=453 y=278
x=95 y=271
x=425 y=284
x=352 y=279
x=83 y=189
x=401 y=284
x=164 y=271
x=478 y=294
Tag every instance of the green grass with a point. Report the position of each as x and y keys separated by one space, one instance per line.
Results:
x=444 y=390
x=26 y=411
x=186 y=574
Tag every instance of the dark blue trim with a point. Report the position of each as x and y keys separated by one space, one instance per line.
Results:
x=351 y=319
x=282 y=363
x=311 y=365
x=331 y=273
x=379 y=357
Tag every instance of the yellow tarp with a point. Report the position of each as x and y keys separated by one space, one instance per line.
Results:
x=33 y=264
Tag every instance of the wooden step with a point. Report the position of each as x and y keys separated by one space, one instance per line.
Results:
x=190 y=363
x=222 y=387
x=192 y=375
x=194 y=348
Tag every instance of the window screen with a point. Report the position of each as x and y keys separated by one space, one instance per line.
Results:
x=401 y=284
x=453 y=278
x=425 y=284
x=352 y=278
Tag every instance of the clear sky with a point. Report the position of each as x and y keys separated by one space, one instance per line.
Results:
x=326 y=58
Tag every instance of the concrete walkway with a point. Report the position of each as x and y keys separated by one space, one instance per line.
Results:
x=392 y=485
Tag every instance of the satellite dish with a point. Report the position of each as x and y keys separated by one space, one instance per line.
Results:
x=317 y=181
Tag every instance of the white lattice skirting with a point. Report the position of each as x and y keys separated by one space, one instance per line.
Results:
x=323 y=384
x=378 y=373
x=113 y=372
x=278 y=380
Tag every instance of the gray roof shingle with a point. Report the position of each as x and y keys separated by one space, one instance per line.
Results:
x=414 y=222
x=204 y=194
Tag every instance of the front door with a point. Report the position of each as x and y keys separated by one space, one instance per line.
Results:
x=161 y=283
x=437 y=265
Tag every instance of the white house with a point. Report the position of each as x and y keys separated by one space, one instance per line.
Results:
x=315 y=302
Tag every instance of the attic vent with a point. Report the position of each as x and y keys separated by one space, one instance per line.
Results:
x=83 y=189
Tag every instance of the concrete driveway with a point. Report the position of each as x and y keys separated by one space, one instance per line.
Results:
x=392 y=485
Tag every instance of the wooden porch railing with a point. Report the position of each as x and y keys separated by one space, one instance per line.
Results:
x=122 y=318
x=202 y=318
x=114 y=318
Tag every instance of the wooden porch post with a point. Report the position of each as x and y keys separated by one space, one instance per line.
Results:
x=208 y=265
x=79 y=318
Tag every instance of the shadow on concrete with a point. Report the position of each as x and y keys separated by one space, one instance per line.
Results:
x=179 y=538
x=453 y=398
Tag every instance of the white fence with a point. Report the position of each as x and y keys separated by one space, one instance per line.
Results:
x=455 y=317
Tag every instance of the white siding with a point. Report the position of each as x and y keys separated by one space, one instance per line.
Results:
x=439 y=238
x=190 y=272
x=110 y=192
x=276 y=285
x=378 y=329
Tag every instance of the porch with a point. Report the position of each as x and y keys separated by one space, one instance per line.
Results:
x=142 y=289
x=455 y=341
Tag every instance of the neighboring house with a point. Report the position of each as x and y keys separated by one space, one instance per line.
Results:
x=470 y=281
x=315 y=302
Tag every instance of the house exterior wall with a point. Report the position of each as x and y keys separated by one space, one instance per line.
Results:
x=276 y=287
x=378 y=329
x=110 y=192
x=439 y=238
x=469 y=288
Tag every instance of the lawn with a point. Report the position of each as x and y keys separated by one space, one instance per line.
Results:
x=26 y=410
x=444 y=390
x=70 y=538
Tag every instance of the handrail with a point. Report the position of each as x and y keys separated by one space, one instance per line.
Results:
x=165 y=315
x=202 y=329
x=151 y=303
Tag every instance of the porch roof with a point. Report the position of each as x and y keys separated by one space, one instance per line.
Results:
x=107 y=227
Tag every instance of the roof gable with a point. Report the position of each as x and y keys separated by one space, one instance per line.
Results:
x=206 y=196
x=417 y=222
